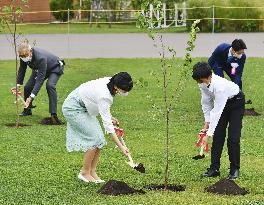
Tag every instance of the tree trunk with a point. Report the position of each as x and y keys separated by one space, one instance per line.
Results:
x=166 y=113
x=15 y=49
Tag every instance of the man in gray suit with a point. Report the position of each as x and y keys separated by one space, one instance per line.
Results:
x=44 y=66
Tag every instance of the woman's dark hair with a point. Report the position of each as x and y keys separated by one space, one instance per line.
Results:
x=238 y=44
x=201 y=70
x=122 y=80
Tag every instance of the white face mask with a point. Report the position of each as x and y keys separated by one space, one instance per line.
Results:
x=202 y=85
x=27 y=59
x=123 y=94
x=238 y=56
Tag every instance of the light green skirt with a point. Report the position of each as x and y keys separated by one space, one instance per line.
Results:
x=83 y=130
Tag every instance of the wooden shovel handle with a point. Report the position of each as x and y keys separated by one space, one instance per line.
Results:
x=202 y=150
x=130 y=158
x=23 y=101
x=124 y=144
x=122 y=141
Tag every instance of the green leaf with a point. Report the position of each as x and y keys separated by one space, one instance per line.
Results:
x=18 y=10
x=6 y=9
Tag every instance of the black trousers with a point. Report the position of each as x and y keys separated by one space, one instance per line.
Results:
x=232 y=117
x=50 y=86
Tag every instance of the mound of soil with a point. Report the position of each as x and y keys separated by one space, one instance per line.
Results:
x=251 y=112
x=115 y=188
x=170 y=187
x=226 y=187
x=48 y=121
x=140 y=167
x=14 y=125
x=197 y=157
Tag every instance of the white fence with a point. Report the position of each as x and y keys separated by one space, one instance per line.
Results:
x=168 y=17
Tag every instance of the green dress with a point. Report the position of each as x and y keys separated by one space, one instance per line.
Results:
x=83 y=130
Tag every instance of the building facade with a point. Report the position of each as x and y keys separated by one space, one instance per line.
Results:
x=41 y=7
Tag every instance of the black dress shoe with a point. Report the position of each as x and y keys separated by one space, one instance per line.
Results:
x=55 y=120
x=211 y=173
x=26 y=112
x=234 y=174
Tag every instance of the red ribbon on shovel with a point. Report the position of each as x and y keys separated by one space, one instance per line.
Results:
x=201 y=135
x=119 y=131
x=18 y=93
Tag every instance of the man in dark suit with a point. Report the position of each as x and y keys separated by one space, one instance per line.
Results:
x=229 y=59
x=44 y=66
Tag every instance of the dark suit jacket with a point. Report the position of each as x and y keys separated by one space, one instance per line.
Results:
x=219 y=60
x=44 y=63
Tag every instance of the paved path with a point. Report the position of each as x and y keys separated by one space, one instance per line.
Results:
x=131 y=45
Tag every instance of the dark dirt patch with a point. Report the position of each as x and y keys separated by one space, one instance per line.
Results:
x=170 y=187
x=115 y=188
x=226 y=187
x=49 y=121
x=248 y=102
x=251 y=112
x=46 y=121
x=13 y=125
x=140 y=167
x=197 y=157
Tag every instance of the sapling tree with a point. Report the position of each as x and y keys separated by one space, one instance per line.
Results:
x=168 y=66
x=8 y=19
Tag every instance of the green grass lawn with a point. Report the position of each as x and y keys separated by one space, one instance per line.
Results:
x=85 y=28
x=35 y=167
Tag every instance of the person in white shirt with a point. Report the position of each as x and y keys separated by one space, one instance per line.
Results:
x=84 y=132
x=223 y=105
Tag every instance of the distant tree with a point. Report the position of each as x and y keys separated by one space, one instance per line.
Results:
x=56 y=5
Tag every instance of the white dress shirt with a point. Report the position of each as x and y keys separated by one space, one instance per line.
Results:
x=214 y=98
x=98 y=100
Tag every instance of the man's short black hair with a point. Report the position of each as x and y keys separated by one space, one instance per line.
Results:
x=201 y=70
x=238 y=44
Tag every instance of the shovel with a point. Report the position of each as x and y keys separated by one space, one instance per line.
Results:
x=201 y=155
x=19 y=96
x=139 y=167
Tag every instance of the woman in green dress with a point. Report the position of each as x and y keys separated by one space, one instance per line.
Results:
x=84 y=132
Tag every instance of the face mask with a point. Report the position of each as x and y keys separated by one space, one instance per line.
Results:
x=238 y=55
x=27 y=59
x=202 y=85
x=123 y=94
x=234 y=54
